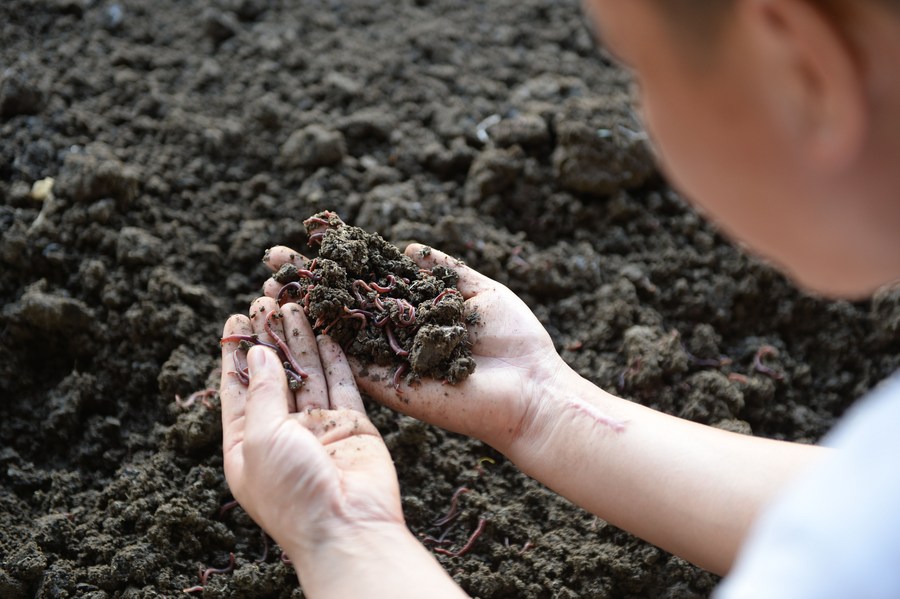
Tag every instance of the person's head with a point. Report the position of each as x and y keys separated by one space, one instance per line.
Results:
x=781 y=120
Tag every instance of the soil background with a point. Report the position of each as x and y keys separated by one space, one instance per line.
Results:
x=187 y=137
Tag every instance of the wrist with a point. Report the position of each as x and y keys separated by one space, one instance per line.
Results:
x=371 y=560
x=565 y=407
x=343 y=544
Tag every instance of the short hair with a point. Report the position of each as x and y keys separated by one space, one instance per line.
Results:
x=706 y=13
x=700 y=21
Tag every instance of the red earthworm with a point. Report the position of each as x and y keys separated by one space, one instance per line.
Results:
x=465 y=548
x=227 y=507
x=435 y=541
x=315 y=238
x=398 y=375
x=406 y=312
x=252 y=339
x=204 y=576
x=361 y=315
x=392 y=282
x=241 y=372
x=281 y=344
x=193 y=397
x=194 y=589
x=331 y=324
x=454 y=508
x=764 y=351
x=359 y=297
x=319 y=220
x=293 y=288
x=308 y=274
x=249 y=341
x=443 y=293
x=392 y=341
x=297 y=379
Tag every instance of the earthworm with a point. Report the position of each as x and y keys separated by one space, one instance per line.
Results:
x=315 y=238
x=293 y=288
x=392 y=282
x=227 y=507
x=205 y=574
x=763 y=352
x=249 y=341
x=280 y=343
x=240 y=371
x=454 y=508
x=443 y=293
x=465 y=548
x=297 y=381
x=392 y=341
x=398 y=375
x=193 y=397
x=406 y=312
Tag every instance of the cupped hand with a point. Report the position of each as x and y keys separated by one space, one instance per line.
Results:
x=308 y=466
x=515 y=360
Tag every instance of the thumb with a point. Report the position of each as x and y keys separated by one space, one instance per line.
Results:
x=269 y=394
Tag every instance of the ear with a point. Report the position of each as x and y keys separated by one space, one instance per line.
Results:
x=813 y=82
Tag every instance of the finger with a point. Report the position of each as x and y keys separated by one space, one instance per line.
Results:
x=268 y=394
x=278 y=256
x=271 y=288
x=259 y=309
x=470 y=283
x=267 y=325
x=342 y=391
x=232 y=391
x=302 y=342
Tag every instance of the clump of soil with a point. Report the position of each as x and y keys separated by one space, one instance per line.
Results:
x=378 y=304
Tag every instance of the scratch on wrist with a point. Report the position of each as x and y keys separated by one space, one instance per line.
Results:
x=592 y=412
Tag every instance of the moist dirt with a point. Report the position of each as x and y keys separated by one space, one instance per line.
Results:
x=379 y=304
x=185 y=138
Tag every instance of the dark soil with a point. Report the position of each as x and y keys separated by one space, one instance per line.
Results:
x=378 y=304
x=185 y=138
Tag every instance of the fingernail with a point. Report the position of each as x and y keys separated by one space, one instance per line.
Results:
x=256 y=359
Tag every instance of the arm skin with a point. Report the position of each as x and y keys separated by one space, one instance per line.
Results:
x=690 y=489
x=388 y=562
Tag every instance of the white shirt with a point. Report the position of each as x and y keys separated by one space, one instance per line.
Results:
x=835 y=532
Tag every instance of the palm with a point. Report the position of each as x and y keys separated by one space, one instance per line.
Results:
x=512 y=351
x=302 y=463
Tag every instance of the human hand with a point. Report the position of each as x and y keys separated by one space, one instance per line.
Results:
x=515 y=359
x=308 y=466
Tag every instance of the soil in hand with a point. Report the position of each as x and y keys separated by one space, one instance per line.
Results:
x=378 y=304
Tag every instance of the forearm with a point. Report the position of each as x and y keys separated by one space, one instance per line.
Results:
x=382 y=562
x=690 y=489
